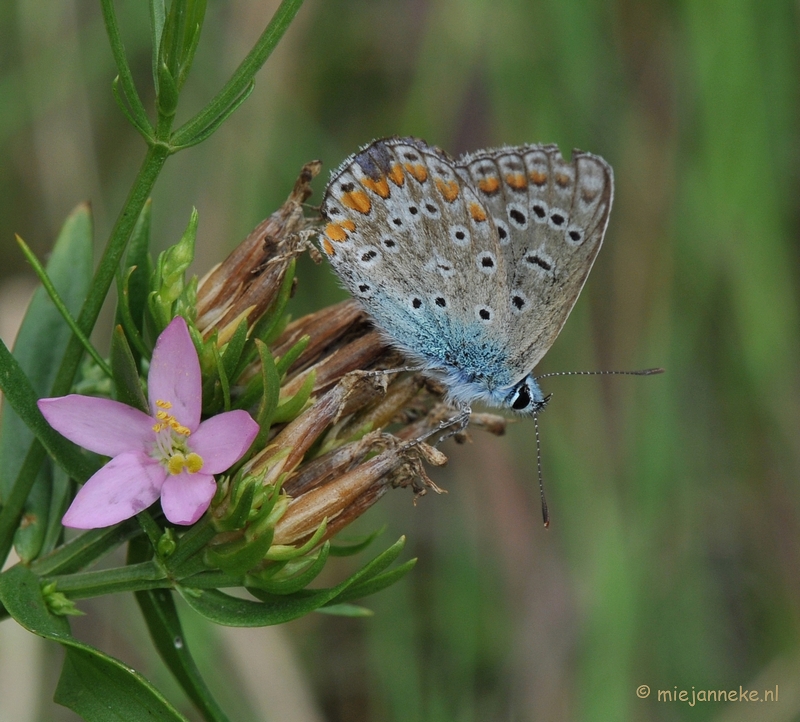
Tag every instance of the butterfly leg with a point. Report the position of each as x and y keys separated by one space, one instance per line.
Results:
x=456 y=424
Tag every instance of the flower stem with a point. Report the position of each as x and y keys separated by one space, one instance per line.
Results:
x=132 y=578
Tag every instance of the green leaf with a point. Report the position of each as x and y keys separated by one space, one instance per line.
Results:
x=100 y=688
x=29 y=537
x=62 y=490
x=233 y=349
x=181 y=33
x=127 y=386
x=285 y=362
x=158 y=16
x=290 y=408
x=354 y=546
x=161 y=616
x=167 y=92
x=230 y=611
x=92 y=684
x=345 y=610
x=133 y=284
x=377 y=583
x=270 y=384
x=43 y=335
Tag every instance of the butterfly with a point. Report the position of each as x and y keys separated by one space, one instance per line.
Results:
x=469 y=266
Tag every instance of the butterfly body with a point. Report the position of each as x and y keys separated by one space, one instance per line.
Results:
x=469 y=266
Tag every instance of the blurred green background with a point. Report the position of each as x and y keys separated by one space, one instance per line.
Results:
x=673 y=558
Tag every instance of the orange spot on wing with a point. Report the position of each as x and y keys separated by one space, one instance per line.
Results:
x=380 y=186
x=348 y=225
x=419 y=171
x=477 y=212
x=489 y=185
x=327 y=247
x=563 y=180
x=396 y=175
x=448 y=189
x=358 y=201
x=516 y=181
x=538 y=177
x=335 y=232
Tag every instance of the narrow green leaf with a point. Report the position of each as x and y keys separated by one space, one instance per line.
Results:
x=284 y=363
x=133 y=284
x=158 y=16
x=376 y=583
x=272 y=386
x=121 y=98
x=161 y=616
x=290 y=408
x=127 y=385
x=345 y=610
x=215 y=123
x=222 y=608
x=29 y=537
x=62 y=490
x=43 y=335
x=233 y=349
x=356 y=545
x=167 y=93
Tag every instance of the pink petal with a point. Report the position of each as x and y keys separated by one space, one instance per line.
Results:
x=101 y=425
x=127 y=484
x=185 y=497
x=223 y=439
x=175 y=374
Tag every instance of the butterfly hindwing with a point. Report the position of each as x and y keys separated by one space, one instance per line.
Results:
x=551 y=217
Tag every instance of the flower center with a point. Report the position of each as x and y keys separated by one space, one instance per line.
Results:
x=171 y=446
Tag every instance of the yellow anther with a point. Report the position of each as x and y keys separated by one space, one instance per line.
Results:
x=163 y=404
x=162 y=415
x=176 y=463
x=194 y=462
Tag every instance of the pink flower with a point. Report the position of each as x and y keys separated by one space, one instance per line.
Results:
x=170 y=453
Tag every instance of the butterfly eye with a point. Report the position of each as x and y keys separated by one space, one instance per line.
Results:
x=521 y=398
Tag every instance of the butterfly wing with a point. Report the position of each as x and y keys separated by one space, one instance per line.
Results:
x=551 y=216
x=415 y=242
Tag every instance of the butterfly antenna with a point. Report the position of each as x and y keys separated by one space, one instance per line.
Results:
x=545 y=512
x=642 y=372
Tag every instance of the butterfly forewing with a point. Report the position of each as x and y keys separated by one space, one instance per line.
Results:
x=415 y=242
x=550 y=216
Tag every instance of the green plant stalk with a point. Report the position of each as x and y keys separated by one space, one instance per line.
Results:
x=131 y=578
